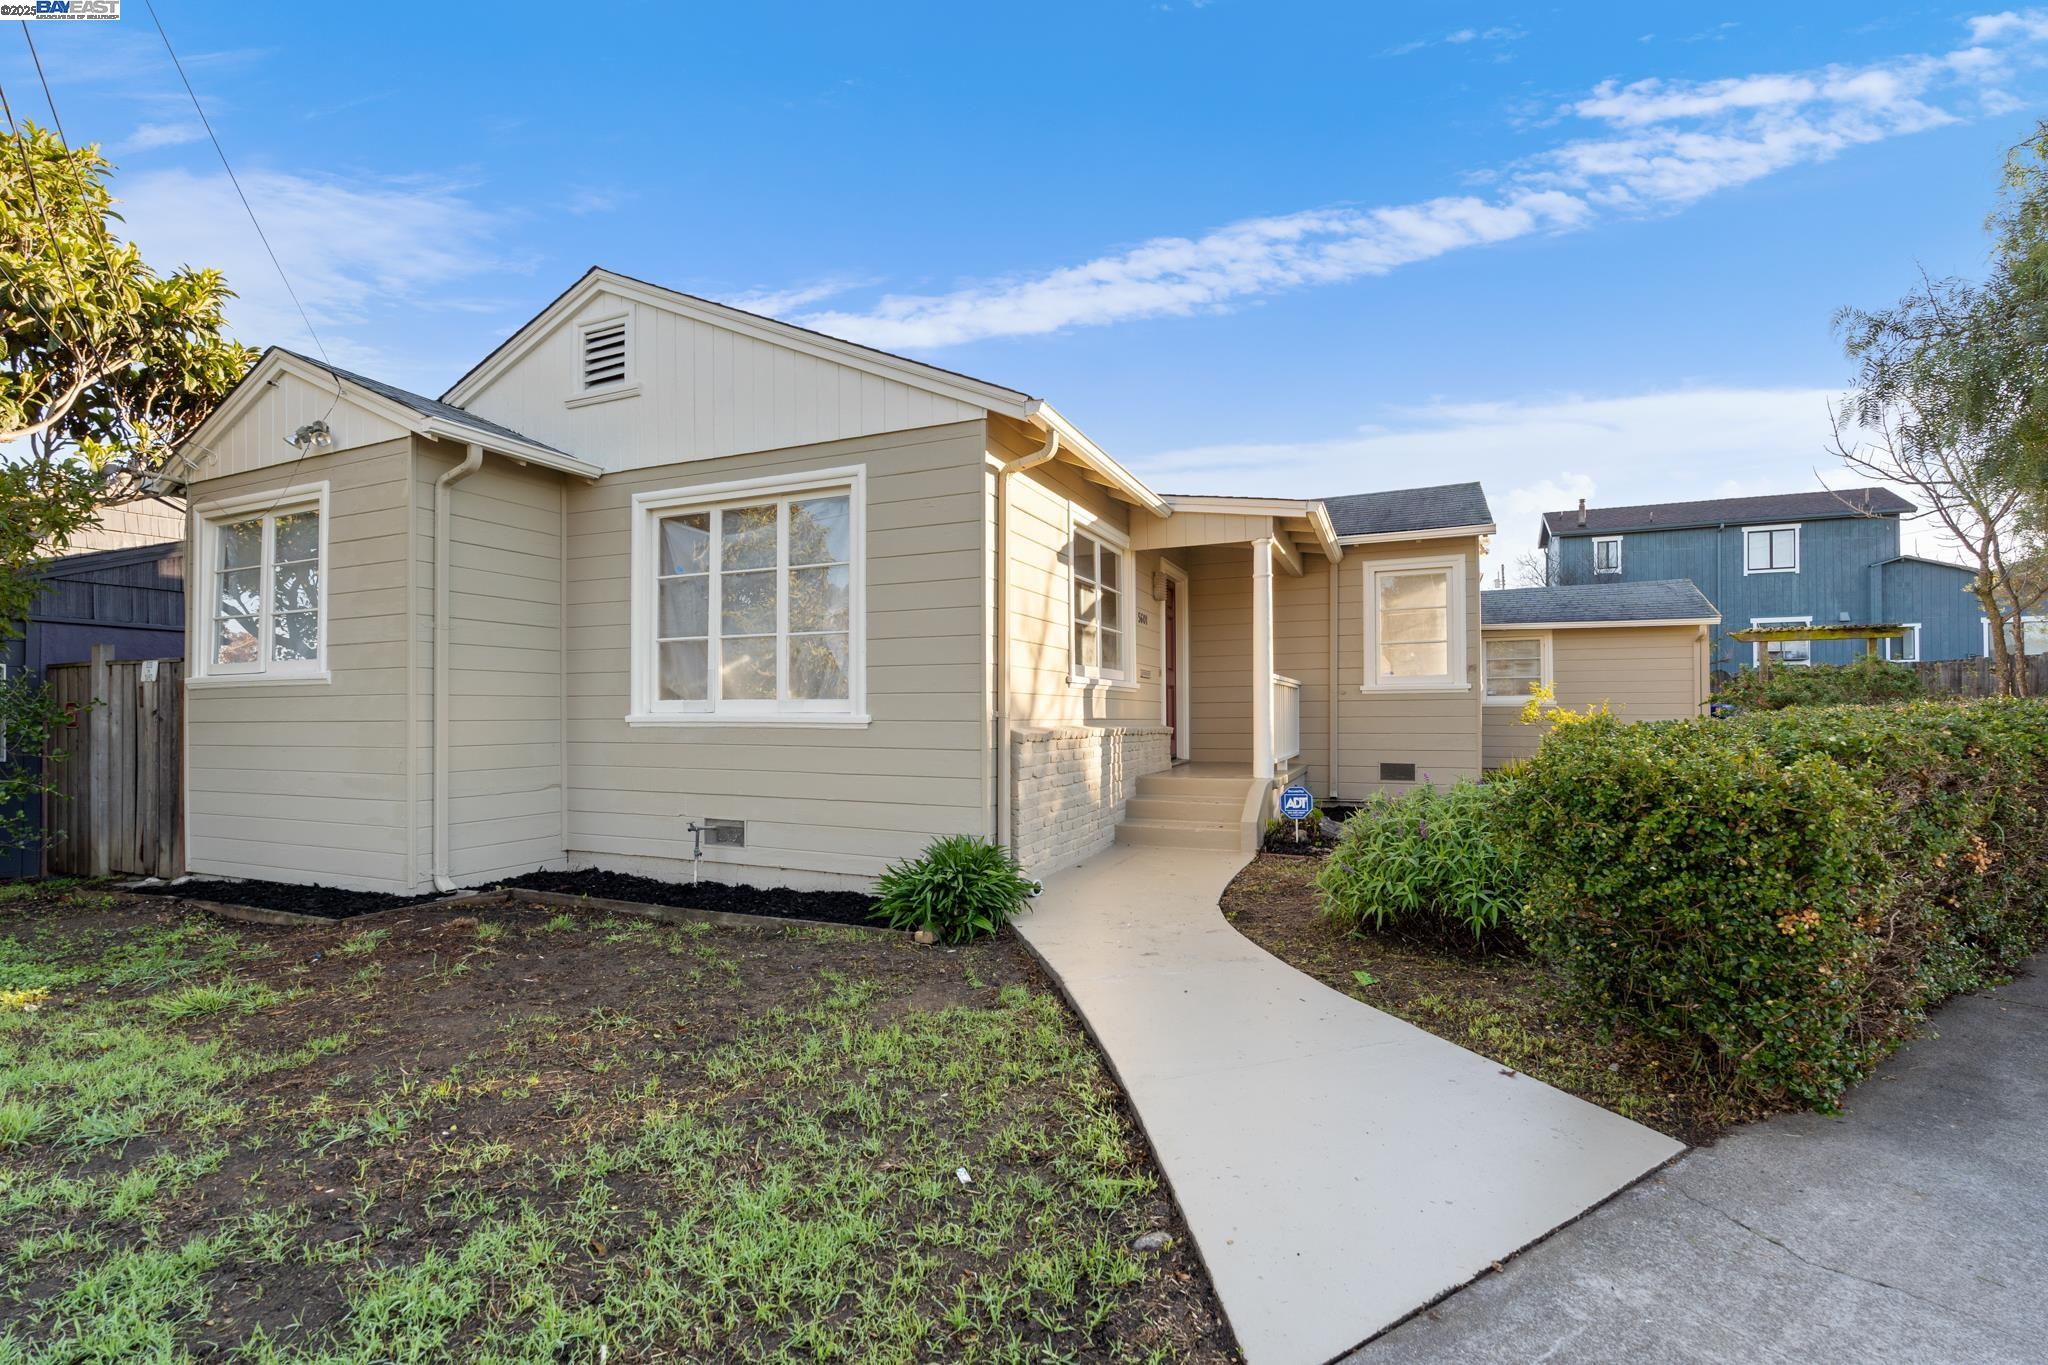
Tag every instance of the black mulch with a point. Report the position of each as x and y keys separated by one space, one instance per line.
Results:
x=330 y=902
x=837 y=907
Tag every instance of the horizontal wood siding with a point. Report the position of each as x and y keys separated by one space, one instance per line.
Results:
x=306 y=783
x=819 y=804
x=1640 y=672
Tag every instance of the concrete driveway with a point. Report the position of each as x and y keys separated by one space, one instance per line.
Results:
x=1338 y=1167
x=1914 y=1228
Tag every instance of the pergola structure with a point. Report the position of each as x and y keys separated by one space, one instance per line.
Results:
x=1765 y=635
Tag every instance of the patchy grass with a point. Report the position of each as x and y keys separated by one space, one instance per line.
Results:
x=517 y=1136
x=1494 y=1000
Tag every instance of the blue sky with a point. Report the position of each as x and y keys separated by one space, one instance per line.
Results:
x=1300 y=248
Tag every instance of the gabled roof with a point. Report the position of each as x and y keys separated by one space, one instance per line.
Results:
x=423 y=405
x=1669 y=601
x=1820 y=505
x=1444 y=507
x=1932 y=563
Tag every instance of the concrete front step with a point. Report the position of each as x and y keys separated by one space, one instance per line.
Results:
x=1179 y=834
x=1207 y=810
x=1176 y=785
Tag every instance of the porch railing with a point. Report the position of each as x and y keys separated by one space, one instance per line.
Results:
x=1286 y=718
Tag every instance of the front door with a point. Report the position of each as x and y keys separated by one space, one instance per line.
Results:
x=1172 y=669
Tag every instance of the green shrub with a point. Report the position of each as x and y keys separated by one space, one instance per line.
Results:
x=960 y=888
x=1868 y=681
x=1784 y=893
x=1429 y=853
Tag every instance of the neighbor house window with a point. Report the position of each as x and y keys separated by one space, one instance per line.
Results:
x=2035 y=636
x=1514 y=665
x=748 y=601
x=1415 y=624
x=1905 y=649
x=1607 y=554
x=262 y=611
x=1770 y=549
x=1797 y=652
x=1101 y=603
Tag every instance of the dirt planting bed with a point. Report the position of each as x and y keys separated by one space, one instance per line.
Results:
x=830 y=907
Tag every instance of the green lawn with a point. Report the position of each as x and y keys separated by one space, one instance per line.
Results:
x=424 y=1137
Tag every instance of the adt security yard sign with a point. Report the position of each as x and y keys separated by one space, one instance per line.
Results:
x=1296 y=803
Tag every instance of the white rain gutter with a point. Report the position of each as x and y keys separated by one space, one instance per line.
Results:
x=1002 y=593
x=443 y=495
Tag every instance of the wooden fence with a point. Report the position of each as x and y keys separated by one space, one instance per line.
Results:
x=118 y=800
x=1975 y=677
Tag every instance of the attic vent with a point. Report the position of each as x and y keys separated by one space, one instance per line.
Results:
x=604 y=353
x=1397 y=772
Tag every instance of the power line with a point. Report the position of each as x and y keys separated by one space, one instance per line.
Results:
x=51 y=99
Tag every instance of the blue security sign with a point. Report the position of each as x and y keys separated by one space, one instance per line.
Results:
x=1296 y=803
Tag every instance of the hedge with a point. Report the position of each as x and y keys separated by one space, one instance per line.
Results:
x=1785 y=893
x=1869 y=680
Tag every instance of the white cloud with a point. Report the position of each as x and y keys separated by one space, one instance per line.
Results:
x=149 y=136
x=776 y=302
x=1662 y=145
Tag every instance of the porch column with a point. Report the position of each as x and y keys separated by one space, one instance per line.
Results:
x=1262 y=658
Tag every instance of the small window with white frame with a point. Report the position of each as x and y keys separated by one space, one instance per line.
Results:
x=1904 y=649
x=1770 y=549
x=1797 y=653
x=2034 y=635
x=1607 y=554
x=748 y=602
x=1415 y=625
x=262 y=609
x=1099 y=568
x=1514 y=666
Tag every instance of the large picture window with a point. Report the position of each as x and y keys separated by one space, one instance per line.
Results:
x=262 y=608
x=1415 y=625
x=1101 y=580
x=747 y=602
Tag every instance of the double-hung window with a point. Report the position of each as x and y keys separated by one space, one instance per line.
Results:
x=747 y=602
x=1514 y=665
x=1770 y=549
x=1415 y=625
x=1607 y=554
x=262 y=609
x=1101 y=597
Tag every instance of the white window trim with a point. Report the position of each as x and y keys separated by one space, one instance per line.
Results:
x=1598 y=541
x=648 y=508
x=1797 y=548
x=626 y=385
x=201 y=671
x=1546 y=672
x=1459 y=678
x=1914 y=658
x=1081 y=521
x=1756 y=649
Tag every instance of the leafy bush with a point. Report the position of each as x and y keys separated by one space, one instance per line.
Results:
x=1429 y=852
x=1784 y=893
x=960 y=888
x=1868 y=681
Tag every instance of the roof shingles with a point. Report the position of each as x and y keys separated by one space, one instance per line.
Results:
x=1439 y=508
x=1821 y=505
x=421 y=404
x=1668 y=599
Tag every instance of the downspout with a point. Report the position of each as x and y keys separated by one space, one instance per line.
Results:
x=1336 y=583
x=443 y=495
x=1002 y=594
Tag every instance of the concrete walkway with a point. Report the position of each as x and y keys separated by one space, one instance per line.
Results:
x=1339 y=1168
x=1914 y=1228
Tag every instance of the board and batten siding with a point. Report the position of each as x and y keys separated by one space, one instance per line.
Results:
x=1436 y=731
x=306 y=782
x=255 y=440
x=1640 y=672
x=695 y=391
x=505 y=778
x=823 y=806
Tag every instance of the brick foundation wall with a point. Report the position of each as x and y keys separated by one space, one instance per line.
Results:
x=1069 y=785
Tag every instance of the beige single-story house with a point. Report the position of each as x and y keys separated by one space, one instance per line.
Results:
x=1643 y=650
x=659 y=580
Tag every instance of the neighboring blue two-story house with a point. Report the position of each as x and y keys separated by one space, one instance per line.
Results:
x=1822 y=558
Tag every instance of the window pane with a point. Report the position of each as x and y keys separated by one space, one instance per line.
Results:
x=1110 y=610
x=818 y=598
x=747 y=538
x=1112 y=651
x=234 y=640
x=1108 y=567
x=1084 y=602
x=296 y=587
x=1783 y=549
x=1415 y=660
x=685 y=606
x=1415 y=625
x=817 y=667
x=1081 y=556
x=685 y=544
x=684 y=673
x=1084 y=648
x=747 y=669
x=295 y=635
x=819 y=530
x=1757 y=549
x=240 y=593
x=241 y=545
x=298 y=537
x=1415 y=590
x=747 y=604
